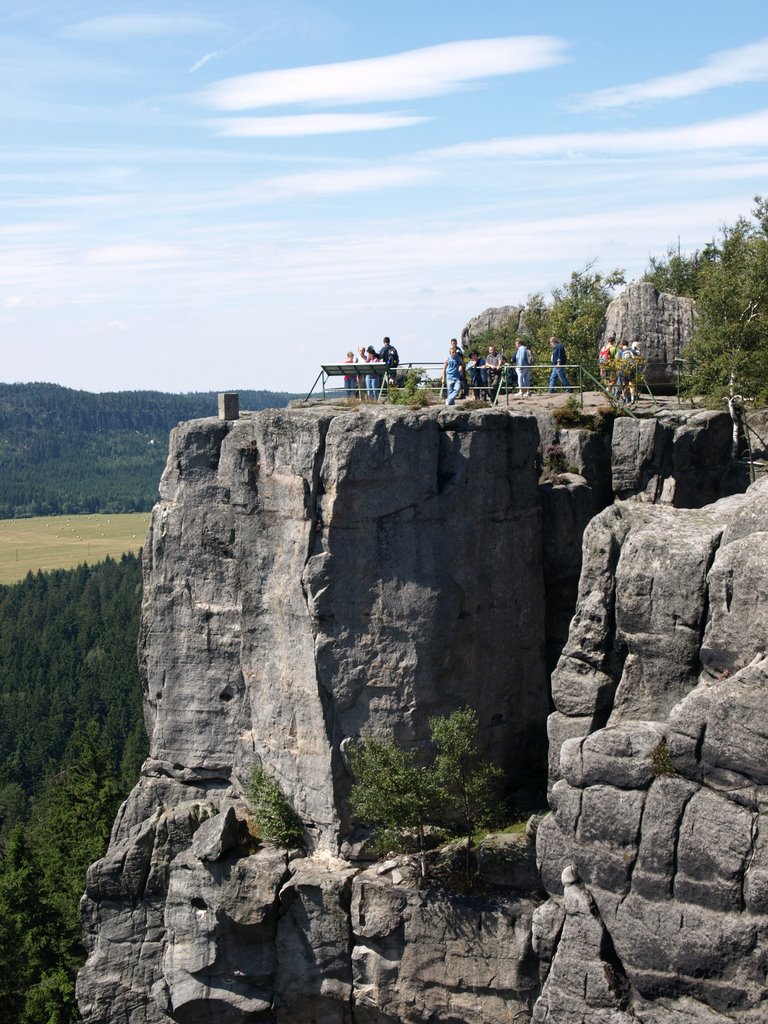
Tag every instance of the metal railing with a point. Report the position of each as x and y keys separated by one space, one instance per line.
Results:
x=428 y=377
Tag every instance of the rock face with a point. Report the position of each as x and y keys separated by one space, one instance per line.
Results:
x=653 y=851
x=493 y=318
x=661 y=325
x=312 y=576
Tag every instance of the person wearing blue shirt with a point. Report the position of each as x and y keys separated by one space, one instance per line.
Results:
x=453 y=373
x=558 y=363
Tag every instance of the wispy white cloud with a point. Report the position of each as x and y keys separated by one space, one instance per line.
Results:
x=203 y=61
x=340 y=182
x=750 y=130
x=729 y=67
x=312 y=124
x=430 y=71
x=122 y=26
x=146 y=253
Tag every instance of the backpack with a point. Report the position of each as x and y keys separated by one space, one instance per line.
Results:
x=531 y=360
x=393 y=359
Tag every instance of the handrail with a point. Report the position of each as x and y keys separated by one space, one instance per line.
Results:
x=579 y=378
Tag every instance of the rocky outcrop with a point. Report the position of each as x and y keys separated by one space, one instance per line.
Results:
x=309 y=577
x=661 y=324
x=312 y=576
x=653 y=851
x=493 y=319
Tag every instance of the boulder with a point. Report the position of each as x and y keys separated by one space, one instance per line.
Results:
x=494 y=318
x=661 y=324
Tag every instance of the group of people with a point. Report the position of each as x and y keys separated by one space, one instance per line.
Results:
x=484 y=375
x=368 y=384
x=619 y=365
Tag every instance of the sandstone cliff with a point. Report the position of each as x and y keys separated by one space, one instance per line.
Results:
x=655 y=853
x=313 y=575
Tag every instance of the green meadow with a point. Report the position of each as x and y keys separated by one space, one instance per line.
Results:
x=62 y=542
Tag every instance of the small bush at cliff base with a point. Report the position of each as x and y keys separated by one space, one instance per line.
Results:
x=273 y=815
x=410 y=393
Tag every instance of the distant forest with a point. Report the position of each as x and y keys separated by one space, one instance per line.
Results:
x=64 y=452
x=72 y=735
x=72 y=740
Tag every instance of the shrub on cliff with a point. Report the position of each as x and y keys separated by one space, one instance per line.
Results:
x=272 y=813
x=400 y=799
x=394 y=795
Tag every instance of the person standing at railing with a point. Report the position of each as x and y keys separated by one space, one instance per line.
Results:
x=477 y=375
x=350 y=379
x=494 y=362
x=523 y=363
x=372 y=380
x=361 y=358
x=559 y=362
x=453 y=373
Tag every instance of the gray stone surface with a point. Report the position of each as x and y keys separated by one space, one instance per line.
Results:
x=421 y=957
x=314 y=965
x=492 y=319
x=509 y=859
x=661 y=325
x=680 y=459
x=656 y=826
x=314 y=575
x=311 y=576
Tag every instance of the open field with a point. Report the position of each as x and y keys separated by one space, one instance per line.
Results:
x=62 y=542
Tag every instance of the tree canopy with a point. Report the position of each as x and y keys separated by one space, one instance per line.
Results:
x=728 y=354
x=71 y=743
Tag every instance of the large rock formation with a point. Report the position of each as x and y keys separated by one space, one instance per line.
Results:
x=311 y=576
x=661 y=324
x=654 y=851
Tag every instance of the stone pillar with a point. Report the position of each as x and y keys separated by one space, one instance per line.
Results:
x=229 y=406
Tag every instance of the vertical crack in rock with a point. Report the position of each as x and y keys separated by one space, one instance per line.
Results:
x=315 y=545
x=749 y=859
x=700 y=743
x=636 y=846
x=676 y=845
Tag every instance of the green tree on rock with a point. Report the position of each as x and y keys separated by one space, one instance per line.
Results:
x=470 y=784
x=401 y=798
x=394 y=794
x=727 y=358
x=575 y=315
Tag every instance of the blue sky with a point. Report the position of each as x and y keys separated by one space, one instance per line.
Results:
x=200 y=196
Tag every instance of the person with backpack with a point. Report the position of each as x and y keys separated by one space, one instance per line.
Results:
x=389 y=356
x=523 y=364
x=607 y=354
